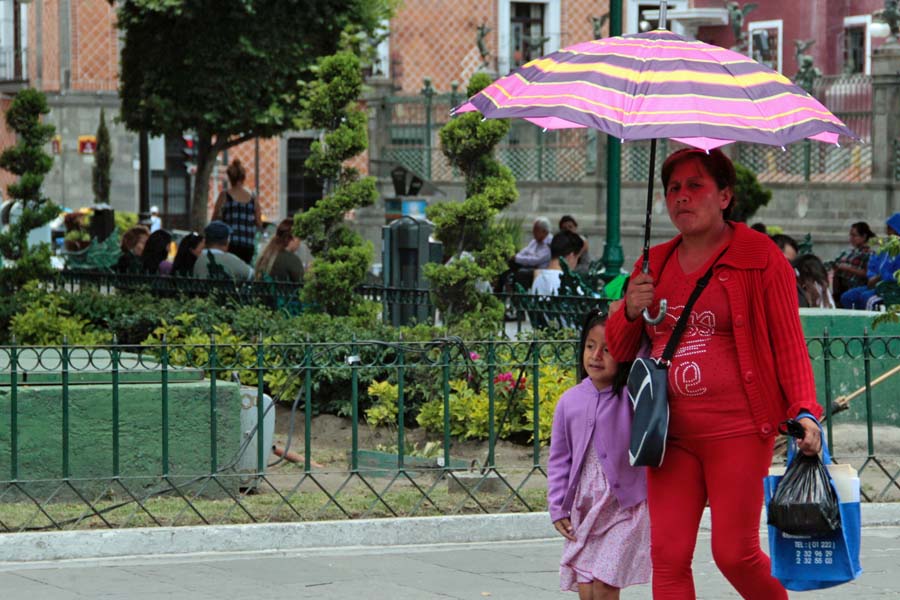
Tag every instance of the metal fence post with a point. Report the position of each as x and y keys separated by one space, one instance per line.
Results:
x=307 y=406
x=164 y=365
x=536 y=408
x=826 y=359
x=867 y=360
x=353 y=361
x=213 y=408
x=428 y=92
x=492 y=434
x=13 y=411
x=114 y=359
x=445 y=375
x=65 y=407
x=401 y=408
x=260 y=406
x=540 y=153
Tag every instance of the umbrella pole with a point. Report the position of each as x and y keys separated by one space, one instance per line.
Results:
x=645 y=266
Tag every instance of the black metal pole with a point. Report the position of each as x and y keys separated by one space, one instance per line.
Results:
x=144 y=175
x=645 y=266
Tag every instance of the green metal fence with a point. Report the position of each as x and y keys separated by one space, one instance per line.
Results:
x=74 y=455
x=552 y=311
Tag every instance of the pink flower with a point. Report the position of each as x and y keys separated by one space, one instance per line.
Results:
x=503 y=377
x=474 y=355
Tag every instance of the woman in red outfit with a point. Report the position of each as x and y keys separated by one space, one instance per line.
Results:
x=741 y=368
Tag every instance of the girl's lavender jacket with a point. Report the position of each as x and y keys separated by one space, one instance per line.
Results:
x=580 y=411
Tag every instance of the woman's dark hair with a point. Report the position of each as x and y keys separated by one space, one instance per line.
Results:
x=131 y=237
x=236 y=173
x=863 y=229
x=184 y=258
x=567 y=219
x=592 y=319
x=284 y=233
x=782 y=241
x=156 y=250
x=811 y=271
x=719 y=167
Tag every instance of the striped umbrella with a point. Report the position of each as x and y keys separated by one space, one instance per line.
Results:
x=659 y=85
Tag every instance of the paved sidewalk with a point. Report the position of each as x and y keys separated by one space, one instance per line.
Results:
x=523 y=570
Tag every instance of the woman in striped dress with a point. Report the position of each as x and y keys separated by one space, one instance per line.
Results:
x=239 y=209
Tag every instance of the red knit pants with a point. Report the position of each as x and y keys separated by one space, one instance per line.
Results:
x=729 y=473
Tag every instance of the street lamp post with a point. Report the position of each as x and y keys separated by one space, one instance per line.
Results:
x=613 y=257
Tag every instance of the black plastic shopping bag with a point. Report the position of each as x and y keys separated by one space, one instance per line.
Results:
x=804 y=562
x=805 y=502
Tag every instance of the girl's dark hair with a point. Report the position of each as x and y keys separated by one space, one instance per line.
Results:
x=592 y=319
x=719 y=166
x=184 y=258
x=863 y=229
x=155 y=250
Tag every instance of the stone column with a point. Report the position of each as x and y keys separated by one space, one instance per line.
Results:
x=885 y=111
x=379 y=88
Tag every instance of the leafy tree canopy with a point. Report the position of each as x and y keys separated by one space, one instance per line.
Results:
x=228 y=70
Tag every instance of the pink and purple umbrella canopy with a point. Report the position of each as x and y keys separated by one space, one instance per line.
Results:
x=660 y=85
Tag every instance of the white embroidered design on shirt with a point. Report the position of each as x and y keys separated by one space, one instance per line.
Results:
x=686 y=376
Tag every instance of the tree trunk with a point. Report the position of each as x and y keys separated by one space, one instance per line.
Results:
x=206 y=160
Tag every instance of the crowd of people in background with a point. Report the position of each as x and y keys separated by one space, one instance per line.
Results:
x=850 y=280
x=225 y=249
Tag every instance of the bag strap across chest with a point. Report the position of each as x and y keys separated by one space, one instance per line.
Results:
x=681 y=324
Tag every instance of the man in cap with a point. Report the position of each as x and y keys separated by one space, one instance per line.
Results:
x=216 y=256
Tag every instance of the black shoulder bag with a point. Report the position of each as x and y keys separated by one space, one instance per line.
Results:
x=648 y=391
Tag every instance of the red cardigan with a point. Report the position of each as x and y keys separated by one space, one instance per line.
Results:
x=762 y=293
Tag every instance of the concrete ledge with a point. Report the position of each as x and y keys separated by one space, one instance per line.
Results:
x=66 y=545
x=17 y=548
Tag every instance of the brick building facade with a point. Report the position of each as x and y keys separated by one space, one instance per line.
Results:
x=70 y=51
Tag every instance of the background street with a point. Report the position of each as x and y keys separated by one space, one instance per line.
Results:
x=514 y=570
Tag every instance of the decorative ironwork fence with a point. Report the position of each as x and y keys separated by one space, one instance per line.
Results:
x=531 y=154
x=74 y=453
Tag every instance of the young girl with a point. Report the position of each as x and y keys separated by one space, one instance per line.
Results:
x=598 y=502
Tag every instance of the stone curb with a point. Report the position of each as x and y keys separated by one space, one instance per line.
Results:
x=18 y=548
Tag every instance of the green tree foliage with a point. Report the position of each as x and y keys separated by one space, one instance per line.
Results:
x=102 y=163
x=749 y=194
x=477 y=245
x=30 y=163
x=227 y=70
x=341 y=255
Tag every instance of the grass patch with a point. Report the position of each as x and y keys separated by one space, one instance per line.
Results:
x=287 y=498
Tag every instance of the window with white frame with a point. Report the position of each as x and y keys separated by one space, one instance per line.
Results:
x=638 y=22
x=766 y=43
x=857 y=44
x=12 y=56
x=526 y=30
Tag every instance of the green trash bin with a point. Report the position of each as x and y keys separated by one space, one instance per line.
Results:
x=406 y=248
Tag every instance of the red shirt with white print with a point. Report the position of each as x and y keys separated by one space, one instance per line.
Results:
x=703 y=371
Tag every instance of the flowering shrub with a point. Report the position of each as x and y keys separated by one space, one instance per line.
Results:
x=513 y=405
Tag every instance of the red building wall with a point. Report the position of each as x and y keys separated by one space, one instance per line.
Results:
x=821 y=20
